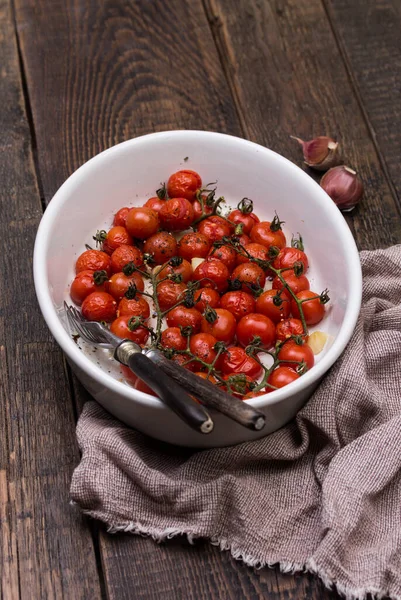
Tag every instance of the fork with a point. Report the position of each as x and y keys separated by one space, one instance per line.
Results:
x=130 y=354
x=210 y=395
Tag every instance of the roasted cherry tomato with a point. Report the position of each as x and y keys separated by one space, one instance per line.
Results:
x=204 y=297
x=253 y=250
x=124 y=255
x=176 y=214
x=161 y=247
x=185 y=361
x=183 y=270
x=142 y=222
x=134 y=307
x=247 y=220
x=238 y=384
x=236 y=360
x=125 y=327
x=119 y=284
x=239 y=303
x=256 y=325
x=99 y=306
x=289 y=327
x=193 y=245
x=287 y=258
x=198 y=212
x=120 y=216
x=243 y=239
x=294 y=282
x=262 y=233
x=202 y=346
x=87 y=282
x=280 y=377
x=250 y=275
x=93 y=260
x=312 y=307
x=267 y=304
x=226 y=254
x=181 y=316
x=155 y=203
x=222 y=327
x=204 y=375
x=169 y=293
x=184 y=184
x=214 y=228
x=141 y=386
x=295 y=353
x=116 y=237
x=212 y=273
x=173 y=338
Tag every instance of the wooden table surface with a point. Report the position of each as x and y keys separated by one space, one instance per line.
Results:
x=78 y=76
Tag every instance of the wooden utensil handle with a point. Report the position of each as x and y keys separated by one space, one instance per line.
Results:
x=168 y=390
x=209 y=394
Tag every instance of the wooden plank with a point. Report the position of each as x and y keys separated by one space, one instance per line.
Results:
x=368 y=34
x=45 y=550
x=288 y=77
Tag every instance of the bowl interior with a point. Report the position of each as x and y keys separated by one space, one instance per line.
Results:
x=129 y=173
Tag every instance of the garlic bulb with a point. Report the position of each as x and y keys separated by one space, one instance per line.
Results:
x=343 y=186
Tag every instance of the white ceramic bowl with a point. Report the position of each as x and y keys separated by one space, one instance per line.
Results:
x=128 y=174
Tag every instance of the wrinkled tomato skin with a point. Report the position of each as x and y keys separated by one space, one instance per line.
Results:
x=177 y=214
x=155 y=203
x=196 y=205
x=235 y=360
x=99 y=306
x=181 y=316
x=256 y=251
x=239 y=303
x=214 y=228
x=121 y=216
x=184 y=184
x=193 y=245
x=202 y=346
x=83 y=285
x=250 y=275
x=247 y=220
x=289 y=327
x=169 y=293
x=117 y=236
x=93 y=260
x=287 y=257
x=184 y=270
x=120 y=328
x=265 y=306
x=212 y=273
x=123 y=255
x=226 y=254
x=161 y=247
x=120 y=283
x=173 y=338
x=256 y=325
x=204 y=297
x=135 y=307
x=296 y=284
x=313 y=309
x=293 y=354
x=223 y=328
x=262 y=234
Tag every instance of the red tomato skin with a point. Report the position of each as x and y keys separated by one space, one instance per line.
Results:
x=206 y=297
x=193 y=245
x=135 y=307
x=253 y=325
x=142 y=222
x=173 y=338
x=121 y=216
x=226 y=254
x=256 y=251
x=236 y=360
x=169 y=293
x=223 y=329
x=239 y=303
x=248 y=220
x=280 y=377
x=214 y=228
x=313 y=309
x=116 y=236
x=293 y=353
x=141 y=386
x=120 y=283
x=83 y=285
x=196 y=205
x=99 y=306
x=201 y=346
x=184 y=184
x=184 y=317
x=161 y=246
x=212 y=273
x=287 y=257
x=93 y=260
x=184 y=269
x=297 y=284
x=123 y=255
x=155 y=203
x=120 y=328
x=262 y=234
x=177 y=214
x=288 y=327
x=265 y=306
x=249 y=275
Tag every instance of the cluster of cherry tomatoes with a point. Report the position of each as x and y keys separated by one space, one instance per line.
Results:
x=200 y=272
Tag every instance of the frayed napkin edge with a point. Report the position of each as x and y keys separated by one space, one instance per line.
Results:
x=310 y=565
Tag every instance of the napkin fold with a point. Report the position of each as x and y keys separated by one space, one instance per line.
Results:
x=322 y=494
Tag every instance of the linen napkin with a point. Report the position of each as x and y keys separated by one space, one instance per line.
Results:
x=322 y=494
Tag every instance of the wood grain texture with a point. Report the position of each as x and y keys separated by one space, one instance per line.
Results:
x=45 y=549
x=176 y=570
x=288 y=78
x=125 y=69
x=369 y=36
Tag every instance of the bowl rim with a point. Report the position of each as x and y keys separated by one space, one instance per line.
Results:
x=83 y=362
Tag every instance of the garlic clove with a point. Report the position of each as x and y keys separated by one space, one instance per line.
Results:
x=317 y=341
x=156 y=269
x=343 y=186
x=321 y=153
x=195 y=262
